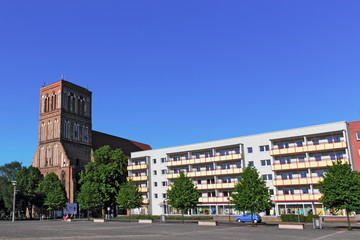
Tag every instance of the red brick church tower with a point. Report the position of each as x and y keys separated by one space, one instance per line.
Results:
x=66 y=139
x=64 y=143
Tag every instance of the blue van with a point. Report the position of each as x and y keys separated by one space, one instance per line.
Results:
x=247 y=218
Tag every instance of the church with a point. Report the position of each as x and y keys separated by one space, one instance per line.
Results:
x=66 y=140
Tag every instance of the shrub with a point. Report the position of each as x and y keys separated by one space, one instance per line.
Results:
x=297 y=218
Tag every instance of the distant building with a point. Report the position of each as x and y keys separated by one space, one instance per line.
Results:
x=292 y=162
x=66 y=139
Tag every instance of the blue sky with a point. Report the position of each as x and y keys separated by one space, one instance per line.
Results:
x=169 y=73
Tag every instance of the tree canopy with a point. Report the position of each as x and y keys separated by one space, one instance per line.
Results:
x=341 y=188
x=129 y=196
x=54 y=193
x=183 y=194
x=251 y=193
x=108 y=170
x=7 y=174
x=28 y=179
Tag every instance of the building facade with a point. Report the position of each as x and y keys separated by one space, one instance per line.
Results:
x=292 y=162
x=66 y=139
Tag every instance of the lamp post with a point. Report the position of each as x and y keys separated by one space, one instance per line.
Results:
x=14 y=183
x=229 y=207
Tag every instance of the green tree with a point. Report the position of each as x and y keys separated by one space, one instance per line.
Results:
x=183 y=194
x=129 y=197
x=7 y=174
x=54 y=193
x=341 y=188
x=28 y=179
x=89 y=196
x=108 y=170
x=251 y=193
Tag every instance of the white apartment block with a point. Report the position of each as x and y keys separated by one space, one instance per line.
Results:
x=291 y=162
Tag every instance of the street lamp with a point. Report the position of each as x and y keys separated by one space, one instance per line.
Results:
x=14 y=183
x=229 y=207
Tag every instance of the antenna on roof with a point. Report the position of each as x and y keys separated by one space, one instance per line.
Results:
x=44 y=84
x=62 y=77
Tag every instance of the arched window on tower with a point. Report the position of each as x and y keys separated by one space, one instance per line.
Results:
x=46 y=103
x=85 y=136
x=81 y=106
x=56 y=155
x=53 y=101
x=42 y=157
x=48 y=156
x=71 y=102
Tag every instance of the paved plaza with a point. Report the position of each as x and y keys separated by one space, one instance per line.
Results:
x=54 y=230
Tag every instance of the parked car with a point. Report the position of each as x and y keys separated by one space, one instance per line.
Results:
x=247 y=218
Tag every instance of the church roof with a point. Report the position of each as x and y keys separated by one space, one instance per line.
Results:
x=100 y=139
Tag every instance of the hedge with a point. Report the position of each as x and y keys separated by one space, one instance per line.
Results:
x=297 y=218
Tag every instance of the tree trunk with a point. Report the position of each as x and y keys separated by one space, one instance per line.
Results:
x=348 y=219
x=182 y=214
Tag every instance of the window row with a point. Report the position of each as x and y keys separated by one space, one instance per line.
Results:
x=76 y=132
x=263 y=148
x=76 y=105
x=50 y=102
x=310 y=141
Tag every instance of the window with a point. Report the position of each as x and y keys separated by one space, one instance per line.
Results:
x=264 y=148
x=305 y=190
x=154 y=161
x=156 y=195
x=303 y=174
x=283 y=145
x=226 y=180
x=285 y=160
x=320 y=173
x=315 y=141
x=251 y=163
x=317 y=157
x=155 y=184
x=301 y=159
x=299 y=143
x=163 y=171
x=267 y=177
x=271 y=191
x=155 y=172
x=163 y=160
x=164 y=184
x=285 y=176
x=224 y=152
x=358 y=135
x=334 y=139
x=339 y=155
x=250 y=149
x=288 y=191
x=266 y=162
x=199 y=181
x=164 y=195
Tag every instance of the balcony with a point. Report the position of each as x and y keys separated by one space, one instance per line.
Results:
x=137 y=167
x=297 y=181
x=138 y=178
x=308 y=148
x=145 y=201
x=143 y=189
x=214 y=200
x=208 y=173
x=191 y=161
x=305 y=164
x=298 y=197
x=216 y=186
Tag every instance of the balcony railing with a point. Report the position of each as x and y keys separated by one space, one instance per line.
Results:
x=297 y=181
x=215 y=186
x=298 y=197
x=143 y=189
x=214 y=199
x=194 y=160
x=308 y=148
x=137 y=167
x=207 y=173
x=138 y=178
x=305 y=164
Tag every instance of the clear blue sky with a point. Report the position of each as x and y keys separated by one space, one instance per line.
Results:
x=169 y=73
